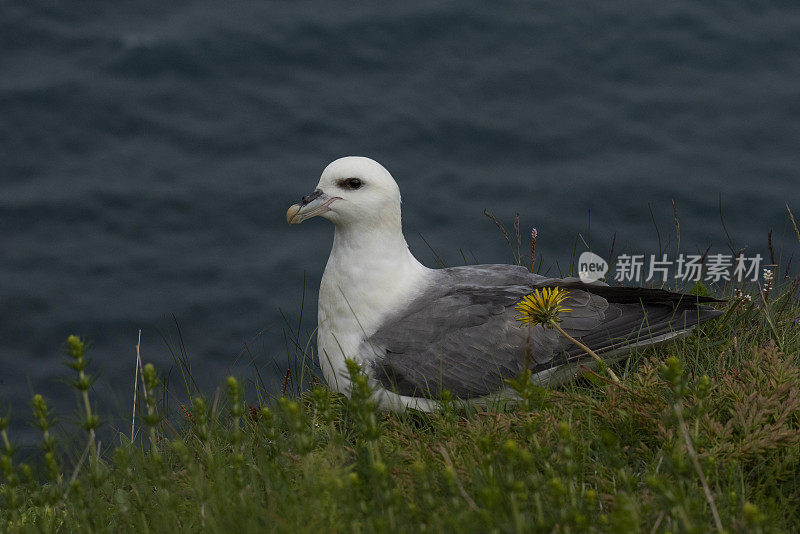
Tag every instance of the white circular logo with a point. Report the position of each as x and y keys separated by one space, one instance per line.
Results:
x=591 y=267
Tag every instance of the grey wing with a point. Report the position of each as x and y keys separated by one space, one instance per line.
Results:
x=462 y=335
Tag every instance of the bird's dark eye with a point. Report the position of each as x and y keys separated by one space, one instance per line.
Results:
x=350 y=183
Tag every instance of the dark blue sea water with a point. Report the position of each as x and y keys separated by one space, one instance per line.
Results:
x=149 y=150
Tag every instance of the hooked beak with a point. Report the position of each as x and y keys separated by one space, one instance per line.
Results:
x=312 y=205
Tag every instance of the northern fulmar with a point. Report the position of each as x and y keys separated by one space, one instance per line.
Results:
x=418 y=331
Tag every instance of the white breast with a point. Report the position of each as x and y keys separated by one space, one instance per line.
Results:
x=358 y=291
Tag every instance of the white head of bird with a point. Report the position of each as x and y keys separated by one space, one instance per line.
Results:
x=353 y=190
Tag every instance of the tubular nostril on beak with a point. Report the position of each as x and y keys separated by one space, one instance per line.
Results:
x=308 y=198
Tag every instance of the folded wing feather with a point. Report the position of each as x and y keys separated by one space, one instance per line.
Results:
x=461 y=335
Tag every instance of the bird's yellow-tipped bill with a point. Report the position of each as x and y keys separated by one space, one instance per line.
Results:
x=314 y=204
x=291 y=212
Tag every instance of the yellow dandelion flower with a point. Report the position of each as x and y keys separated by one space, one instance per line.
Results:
x=542 y=307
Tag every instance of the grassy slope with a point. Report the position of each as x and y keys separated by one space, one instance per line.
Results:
x=592 y=456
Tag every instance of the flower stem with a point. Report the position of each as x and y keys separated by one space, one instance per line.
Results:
x=589 y=351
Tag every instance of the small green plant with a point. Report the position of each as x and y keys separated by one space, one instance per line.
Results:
x=153 y=417
x=76 y=350
x=360 y=404
x=532 y=396
x=43 y=421
x=8 y=490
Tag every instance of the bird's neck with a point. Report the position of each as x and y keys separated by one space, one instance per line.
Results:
x=373 y=266
x=375 y=245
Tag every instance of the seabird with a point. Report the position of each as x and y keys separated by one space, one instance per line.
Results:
x=418 y=331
